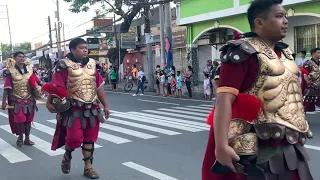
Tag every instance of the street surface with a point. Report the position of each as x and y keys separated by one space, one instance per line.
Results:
x=146 y=138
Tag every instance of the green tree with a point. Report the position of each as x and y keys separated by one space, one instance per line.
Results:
x=6 y=52
x=116 y=7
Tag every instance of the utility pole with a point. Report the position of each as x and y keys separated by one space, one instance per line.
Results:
x=147 y=32
x=64 y=40
x=168 y=29
x=7 y=12
x=162 y=50
x=50 y=34
x=58 y=30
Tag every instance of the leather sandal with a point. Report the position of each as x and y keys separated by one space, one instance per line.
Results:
x=28 y=142
x=19 y=142
x=90 y=173
x=66 y=163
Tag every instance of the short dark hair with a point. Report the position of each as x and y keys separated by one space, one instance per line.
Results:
x=314 y=50
x=75 y=42
x=303 y=52
x=260 y=8
x=158 y=66
x=134 y=65
x=17 y=54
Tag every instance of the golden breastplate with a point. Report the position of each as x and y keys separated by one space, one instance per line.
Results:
x=81 y=82
x=314 y=76
x=20 y=83
x=278 y=87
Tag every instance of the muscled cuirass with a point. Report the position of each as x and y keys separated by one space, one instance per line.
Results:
x=81 y=83
x=20 y=83
x=314 y=76
x=278 y=88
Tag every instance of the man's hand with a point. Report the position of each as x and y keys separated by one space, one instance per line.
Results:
x=4 y=105
x=225 y=155
x=51 y=108
x=106 y=112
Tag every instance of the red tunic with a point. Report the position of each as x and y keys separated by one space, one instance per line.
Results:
x=235 y=78
x=19 y=117
x=60 y=136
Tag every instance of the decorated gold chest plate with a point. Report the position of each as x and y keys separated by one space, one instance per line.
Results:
x=81 y=83
x=20 y=82
x=278 y=87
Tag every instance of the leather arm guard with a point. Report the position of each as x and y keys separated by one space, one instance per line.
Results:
x=236 y=51
x=59 y=97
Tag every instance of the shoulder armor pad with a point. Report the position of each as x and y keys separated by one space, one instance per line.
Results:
x=61 y=66
x=236 y=51
x=6 y=73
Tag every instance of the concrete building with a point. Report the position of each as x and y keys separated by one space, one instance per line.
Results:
x=211 y=23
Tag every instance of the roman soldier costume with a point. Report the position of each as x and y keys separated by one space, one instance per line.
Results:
x=268 y=128
x=74 y=91
x=23 y=91
x=311 y=89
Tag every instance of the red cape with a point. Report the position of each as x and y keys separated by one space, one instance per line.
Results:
x=303 y=81
x=13 y=125
x=59 y=138
x=245 y=107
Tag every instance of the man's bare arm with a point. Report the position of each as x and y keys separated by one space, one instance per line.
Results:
x=102 y=97
x=222 y=118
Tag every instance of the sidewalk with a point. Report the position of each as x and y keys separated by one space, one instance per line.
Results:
x=197 y=93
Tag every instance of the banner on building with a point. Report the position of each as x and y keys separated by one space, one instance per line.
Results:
x=106 y=24
x=94 y=53
x=93 y=43
x=128 y=40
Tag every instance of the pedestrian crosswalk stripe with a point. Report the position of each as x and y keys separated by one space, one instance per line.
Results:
x=146 y=127
x=193 y=124
x=192 y=109
x=184 y=112
x=50 y=131
x=206 y=105
x=157 y=122
x=12 y=154
x=176 y=115
x=40 y=144
x=107 y=137
x=127 y=131
x=148 y=171
x=199 y=107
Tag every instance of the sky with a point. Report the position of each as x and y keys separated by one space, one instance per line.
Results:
x=28 y=20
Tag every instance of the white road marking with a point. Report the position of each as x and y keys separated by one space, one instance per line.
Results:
x=176 y=115
x=158 y=102
x=206 y=105
x=141 y=126
x=317 y=148
x=107 y=137
x=4 y=115
x=172 y=120
x=38 y=102
x=148 y=171
x=50 y=131
x=192 y=109
x=195 y=100
x=184 y=112
x=153 y=121
x=40 y=144
x=12 y=154
x=127 y=131
x=199 y=107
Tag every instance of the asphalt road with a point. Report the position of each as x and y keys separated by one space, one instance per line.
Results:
x=146 y=138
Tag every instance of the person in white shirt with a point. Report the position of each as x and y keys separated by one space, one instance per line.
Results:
x=300 y=61
x=141 y=80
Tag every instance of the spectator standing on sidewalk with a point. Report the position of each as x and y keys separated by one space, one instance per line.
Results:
x=113 y=79
x=187 y=79
x=179 y=84
x=141 y=80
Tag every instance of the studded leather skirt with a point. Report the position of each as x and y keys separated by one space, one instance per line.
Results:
x=82 y=111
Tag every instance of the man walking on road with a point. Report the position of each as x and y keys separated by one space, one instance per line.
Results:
x=258 y=126
x=19 y=96
x=75 y=94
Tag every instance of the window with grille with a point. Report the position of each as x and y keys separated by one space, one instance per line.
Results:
x=306 y=37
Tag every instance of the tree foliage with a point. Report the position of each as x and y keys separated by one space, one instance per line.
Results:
x=110 y=6
x=6 y=52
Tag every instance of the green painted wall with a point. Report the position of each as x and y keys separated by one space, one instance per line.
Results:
x=245 y=2
x=240 y=21
x=195 y=7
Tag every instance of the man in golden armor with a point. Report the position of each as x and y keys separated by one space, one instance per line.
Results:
x=258 y=126
x=75 y=94
x=20 y=92
x=311 y=81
